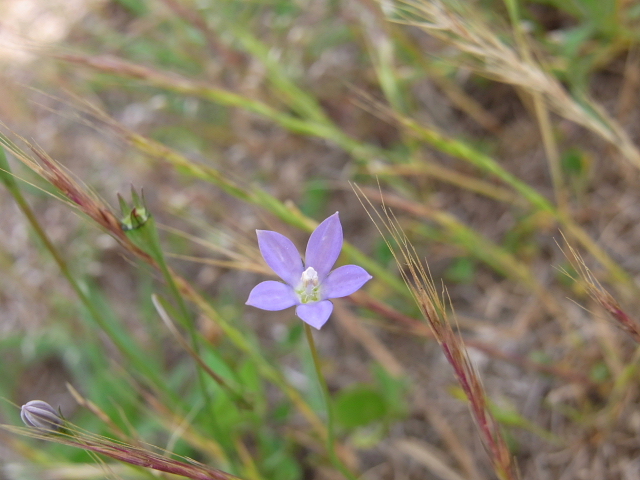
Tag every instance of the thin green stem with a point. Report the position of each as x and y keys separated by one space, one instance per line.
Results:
x=331 y=438
x=146 y=236
x=141 y=362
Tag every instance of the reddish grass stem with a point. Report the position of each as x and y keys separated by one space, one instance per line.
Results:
x=597 y=292
x=434 y=309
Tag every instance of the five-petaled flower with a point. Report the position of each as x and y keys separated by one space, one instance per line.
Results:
x=311 y=284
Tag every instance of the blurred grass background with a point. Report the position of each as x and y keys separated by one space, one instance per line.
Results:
x=488 y=126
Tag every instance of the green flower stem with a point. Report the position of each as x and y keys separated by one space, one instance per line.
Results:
x=331 y=439
x=146 y=237
x=266 y=369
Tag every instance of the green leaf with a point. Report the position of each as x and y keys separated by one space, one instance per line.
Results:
x=394 y=390
x=5 y=172
x=572 y=162
x=316 y=195
x=136 y=7
x=279 y=462
x=251 y=380
x=600 y=372
x=359 y=406
x=462 y=270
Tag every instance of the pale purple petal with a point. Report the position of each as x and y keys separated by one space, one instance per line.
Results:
x=315 y=314
x=324 y=246
x=281 y=255
x=272 y=296
x=344 y=281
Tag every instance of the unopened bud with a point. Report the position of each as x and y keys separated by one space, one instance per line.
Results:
x=135 y=215
x=40 y=415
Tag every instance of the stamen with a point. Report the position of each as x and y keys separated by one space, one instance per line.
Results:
x=308 y=291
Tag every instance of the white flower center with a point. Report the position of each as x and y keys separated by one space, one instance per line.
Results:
x=309 y=289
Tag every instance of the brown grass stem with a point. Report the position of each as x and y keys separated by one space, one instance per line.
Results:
x=434 y=310
x=597 y=292
x=127 y=453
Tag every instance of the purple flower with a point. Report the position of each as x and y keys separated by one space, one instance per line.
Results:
x=311 y=284
x=40 y=415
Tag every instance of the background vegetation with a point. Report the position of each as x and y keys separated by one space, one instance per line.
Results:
x=498 y=134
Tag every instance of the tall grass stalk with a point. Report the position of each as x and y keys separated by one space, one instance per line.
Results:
x=434 y=308
x=597 y=292
x=251 y=194
x=541 y=111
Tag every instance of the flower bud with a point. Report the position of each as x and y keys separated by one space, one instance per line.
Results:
x=40 y=415
x=135 y=215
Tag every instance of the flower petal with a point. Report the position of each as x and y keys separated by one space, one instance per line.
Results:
x=344 y=281
x=281 y=255
x=324 y=246
x=315 y=314
x=272 y=296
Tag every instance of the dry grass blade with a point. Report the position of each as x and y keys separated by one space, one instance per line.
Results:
x=360 y=333
x=73 y=192
x=434 y=309
x=597 y=292
x=430 y=168
x=491 y=57
x=125 y=453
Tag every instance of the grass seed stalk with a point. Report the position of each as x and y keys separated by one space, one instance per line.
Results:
x=433 y=307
